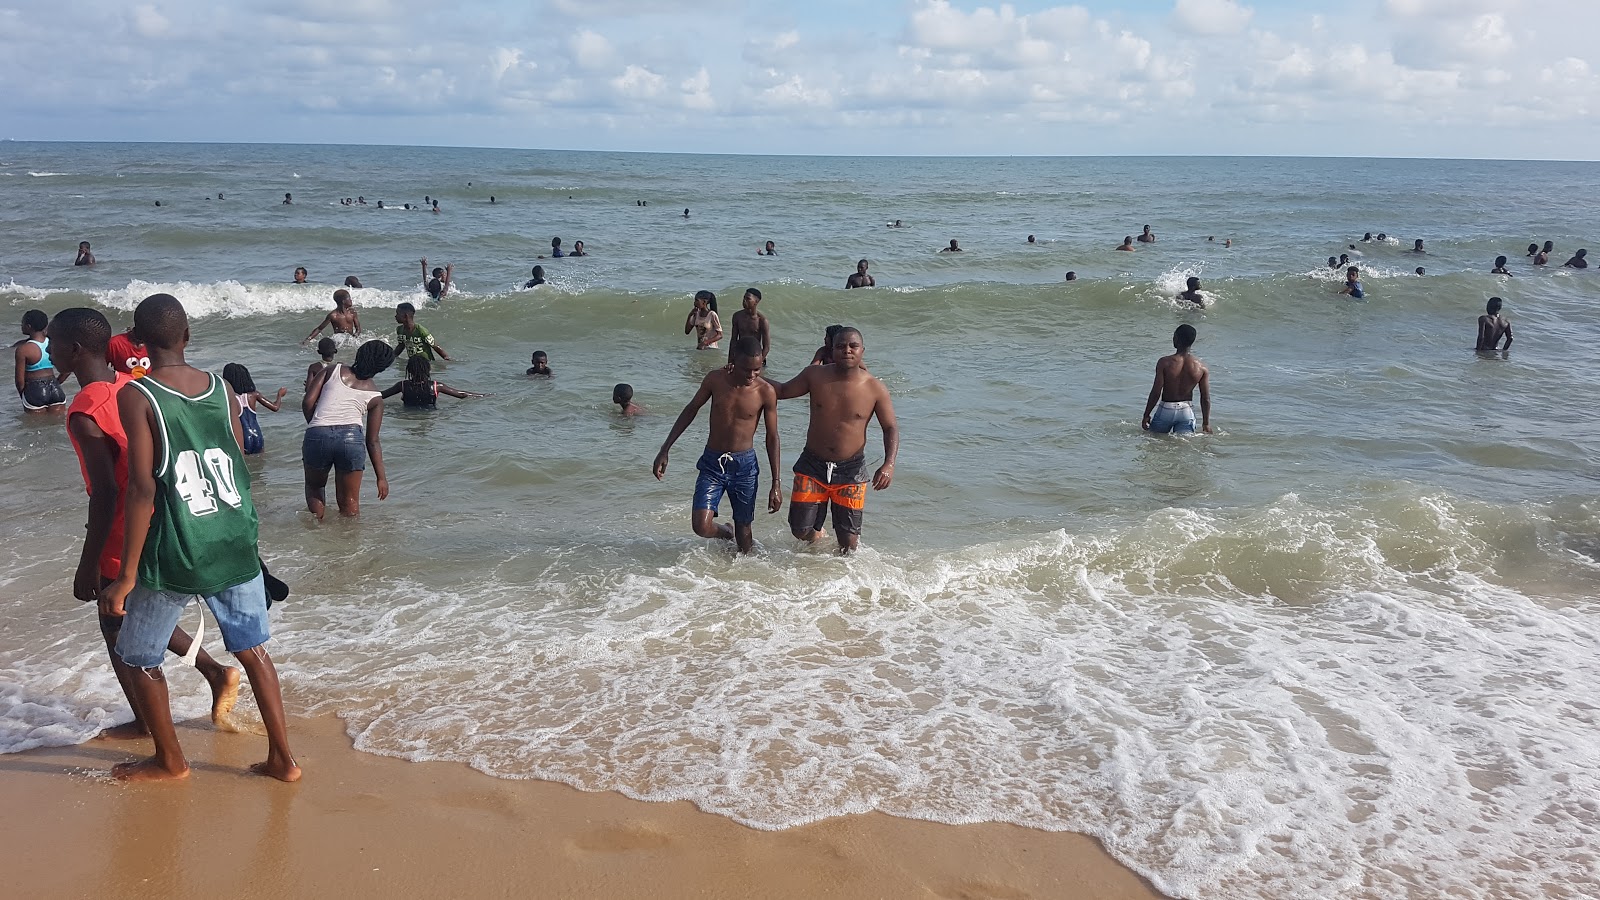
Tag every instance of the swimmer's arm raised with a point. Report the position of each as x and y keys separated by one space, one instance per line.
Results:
x=139 y=503
x=685 y=419
x=884 y=410
x=375 y=447
x=101 y=468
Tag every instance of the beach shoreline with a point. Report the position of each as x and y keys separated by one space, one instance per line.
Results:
x=372 y=826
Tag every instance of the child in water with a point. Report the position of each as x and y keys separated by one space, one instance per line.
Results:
x=244 y=387
x=420 y=391
x=541 y=364
x=1352 y=283
x=622 y=396
x=326 y=348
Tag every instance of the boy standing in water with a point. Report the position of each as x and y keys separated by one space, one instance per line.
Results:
x=343 y=319
x=749 y=323
x=739 y=397
x=439 y=284
x=1492 y=327
x=189 y=531
x=80 y=336
x=1176 y=378
x=622 y=396
x=413 y=338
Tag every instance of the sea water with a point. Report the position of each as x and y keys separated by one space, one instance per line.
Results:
x=1344 y=646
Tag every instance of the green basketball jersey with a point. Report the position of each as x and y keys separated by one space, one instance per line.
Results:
x=203 y=532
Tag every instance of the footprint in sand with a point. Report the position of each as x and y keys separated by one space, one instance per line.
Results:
x=983 y=890
x=621 y=839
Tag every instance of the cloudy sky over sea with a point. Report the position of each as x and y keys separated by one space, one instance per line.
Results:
x=1490 y=78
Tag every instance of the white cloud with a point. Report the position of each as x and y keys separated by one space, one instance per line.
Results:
x=149 y=22
x=591 y=50
x=638 y=83
x=1211 y=17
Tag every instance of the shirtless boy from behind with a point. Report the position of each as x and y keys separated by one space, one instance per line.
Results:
x=829 y=472
x=1176 y=378
x=740 y=398
x=1492 y=327
x=343 y=320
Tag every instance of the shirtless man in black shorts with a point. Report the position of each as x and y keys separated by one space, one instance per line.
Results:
x=831 y=469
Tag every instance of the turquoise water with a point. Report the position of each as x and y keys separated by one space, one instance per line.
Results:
x=1343 y=647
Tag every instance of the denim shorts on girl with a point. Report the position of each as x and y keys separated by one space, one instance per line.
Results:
x=342 y=448
x=241 y=613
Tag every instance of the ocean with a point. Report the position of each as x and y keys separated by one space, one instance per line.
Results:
x=1343 y=647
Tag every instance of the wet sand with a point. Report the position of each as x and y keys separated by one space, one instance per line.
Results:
x=368 y=826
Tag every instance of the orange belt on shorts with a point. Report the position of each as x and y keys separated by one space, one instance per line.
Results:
x=851 y=495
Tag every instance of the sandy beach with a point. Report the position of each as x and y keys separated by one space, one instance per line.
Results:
x=369 y=826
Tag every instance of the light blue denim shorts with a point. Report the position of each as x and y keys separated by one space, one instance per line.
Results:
x=241 y=613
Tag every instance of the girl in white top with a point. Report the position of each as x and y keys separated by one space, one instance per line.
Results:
x=344 y=411
x=703 y=319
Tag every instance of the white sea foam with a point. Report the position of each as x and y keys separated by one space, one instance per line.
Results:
x=234 y=300
x=48 y=174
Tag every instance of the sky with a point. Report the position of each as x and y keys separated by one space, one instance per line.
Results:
x=1428 y=78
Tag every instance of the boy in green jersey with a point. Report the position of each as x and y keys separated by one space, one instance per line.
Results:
x=413 y=338
x=190 y=531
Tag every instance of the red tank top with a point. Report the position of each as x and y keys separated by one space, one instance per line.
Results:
x=98 y=401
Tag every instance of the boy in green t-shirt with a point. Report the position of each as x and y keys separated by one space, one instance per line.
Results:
x=190 y=531
x=413 y=338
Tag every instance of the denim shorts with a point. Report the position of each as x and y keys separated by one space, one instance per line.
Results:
x=1172 y=418
x=339 y=447
x=736 y=474
x=241 y=613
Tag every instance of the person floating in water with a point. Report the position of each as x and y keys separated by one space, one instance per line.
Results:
x=953 y=248
x=860 y=279
x=577 y=249
x=439 y=284
x=555 y=249
x=703 y=322
x=622 y=396
x=1333 y=262
x=1169 y=409
x=350 y=281
x=1577 y=261
x=1492 y=327
x=1352 y=283
x=1421 y=271
x=1193 y=295
x=749 y=322
x=300 y=275
x=537 y=279
x=85 y=257
x=81 y=337
x=1533 y=250
x=830 y=473
x=413 y=338
x=1031 y=240
x=740 y=400
x=541 y=365
x=420 y=391
x=771 y=249
x=189 y=530
x=1127 y=244
x=1071 y=276
x=343 y=319
x=1500 y=267
x=244 y=389
x=895 y=224
x=1366 y=238
x=1147 y=237
x=38 y=382
x=686 y=212
x=1543 y=256
x=1418 y=247
x=288 y=199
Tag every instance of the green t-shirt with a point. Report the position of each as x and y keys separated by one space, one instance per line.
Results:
x=417 y=341
x=203 y=530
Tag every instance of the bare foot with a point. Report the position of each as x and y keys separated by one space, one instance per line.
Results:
x=128 y=731
x=725 y=532
x=224 y=694
x=148 y=770
x=274 y=768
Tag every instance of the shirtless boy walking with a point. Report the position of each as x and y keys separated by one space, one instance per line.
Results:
x=829 y=472
x=1492 y=327
x=1176 y=378
x=739 y=398
x=343 y=319
x=749 y=323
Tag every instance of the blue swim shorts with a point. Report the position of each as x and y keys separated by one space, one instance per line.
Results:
x=736 y=474
x=241 y=613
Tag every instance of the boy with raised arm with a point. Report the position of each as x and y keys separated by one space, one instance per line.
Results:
x=189 y=531
x=830 y=472
x=343 y=319
x=439 y=284
x=739 y=399
x=79 y=337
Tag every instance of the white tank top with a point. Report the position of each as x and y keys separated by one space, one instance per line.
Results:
x=340 y=404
